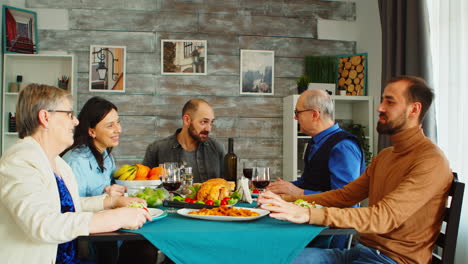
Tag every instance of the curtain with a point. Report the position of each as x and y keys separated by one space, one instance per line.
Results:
x=449 y=48
x=405 y=49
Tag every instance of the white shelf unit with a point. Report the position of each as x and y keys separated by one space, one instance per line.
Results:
x=35 y=68
x=358 y=109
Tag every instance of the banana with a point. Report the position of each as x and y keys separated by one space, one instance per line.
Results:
x=132 y=175
x=125 y=176
x=122 y=170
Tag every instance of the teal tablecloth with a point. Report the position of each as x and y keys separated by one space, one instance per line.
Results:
x=265 y=240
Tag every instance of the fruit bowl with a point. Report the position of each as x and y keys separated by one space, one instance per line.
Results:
x=135 y=186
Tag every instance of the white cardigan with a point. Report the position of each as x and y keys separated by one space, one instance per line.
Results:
x=31 y=224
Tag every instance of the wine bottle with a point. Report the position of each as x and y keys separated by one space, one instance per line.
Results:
x=230 y=163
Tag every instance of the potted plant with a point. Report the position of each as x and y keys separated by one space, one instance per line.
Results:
x=358 y=131
x=302 y=83
x=341 y=91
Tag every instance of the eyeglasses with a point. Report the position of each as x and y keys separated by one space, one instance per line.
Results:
x=297 y=112
x=70 y=114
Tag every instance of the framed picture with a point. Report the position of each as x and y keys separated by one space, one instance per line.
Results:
x=107 y=68
x=257 y=69
x=352 y=74
x=183 y=57
x=19 y=30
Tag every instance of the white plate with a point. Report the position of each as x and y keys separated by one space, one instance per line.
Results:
x=185 y=212
x=156 y=213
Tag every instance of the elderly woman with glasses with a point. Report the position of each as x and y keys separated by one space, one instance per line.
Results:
x=41 y=213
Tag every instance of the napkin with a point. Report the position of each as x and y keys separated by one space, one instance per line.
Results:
x=243 y=190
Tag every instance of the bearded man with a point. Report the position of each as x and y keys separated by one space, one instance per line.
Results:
x=407 y=185
x=191 y=144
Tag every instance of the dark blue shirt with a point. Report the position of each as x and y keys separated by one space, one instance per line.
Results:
x=66 y=251
x=346 y=161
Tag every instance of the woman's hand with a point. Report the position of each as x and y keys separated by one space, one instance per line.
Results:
x=132 y=218
x=110 y=220
x=124 y=201
x=121 y=201
x=283 y=210
x=115 y=190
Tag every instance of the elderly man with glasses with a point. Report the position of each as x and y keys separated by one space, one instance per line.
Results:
x=333 y=157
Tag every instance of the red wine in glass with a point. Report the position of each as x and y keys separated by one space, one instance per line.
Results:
x=247 y=172
x=261 y=184
x=171 y=186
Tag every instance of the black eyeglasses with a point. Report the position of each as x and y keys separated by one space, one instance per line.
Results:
x=70 y=114
x=297 y=112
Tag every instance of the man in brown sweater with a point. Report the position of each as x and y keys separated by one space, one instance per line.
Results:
x=407 y=186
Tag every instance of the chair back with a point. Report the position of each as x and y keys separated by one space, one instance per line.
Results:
x=447 y=241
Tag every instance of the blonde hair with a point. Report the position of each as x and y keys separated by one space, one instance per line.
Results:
x=31 y=100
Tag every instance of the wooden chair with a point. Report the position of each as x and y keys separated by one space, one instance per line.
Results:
x=447 y=241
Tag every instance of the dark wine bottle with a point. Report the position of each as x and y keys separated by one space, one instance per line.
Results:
x=230 y=163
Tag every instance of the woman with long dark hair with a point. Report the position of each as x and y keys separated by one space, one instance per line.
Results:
x=90 y=155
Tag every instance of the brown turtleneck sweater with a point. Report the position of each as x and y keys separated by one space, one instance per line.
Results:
x=407 y=187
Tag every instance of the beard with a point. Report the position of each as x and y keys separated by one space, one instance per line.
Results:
x=391 y=127
x=196 y=136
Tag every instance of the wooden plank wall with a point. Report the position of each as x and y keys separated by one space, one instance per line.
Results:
x=151 y=105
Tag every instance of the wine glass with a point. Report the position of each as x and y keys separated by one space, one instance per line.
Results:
x=247 y=171
x=261 y=178
x=171 y=181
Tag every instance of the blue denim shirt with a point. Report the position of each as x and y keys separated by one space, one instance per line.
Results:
x=90 y=178
x=346 y=161
x=209 y=156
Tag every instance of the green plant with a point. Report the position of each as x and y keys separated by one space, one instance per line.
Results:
x=321 y=69
x=358 y=131
x=302 y=83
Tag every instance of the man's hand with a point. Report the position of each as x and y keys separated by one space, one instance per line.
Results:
x=284 y=187
x=283 y=210
x=115 y=190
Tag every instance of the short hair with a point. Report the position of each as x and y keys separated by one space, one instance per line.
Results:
x=31 y=100
x=93 y=111
x=418 y=91
x=191 y=106
x=322 y=102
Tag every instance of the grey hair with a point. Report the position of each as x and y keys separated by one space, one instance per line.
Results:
x=322 y=102
x=33 y=99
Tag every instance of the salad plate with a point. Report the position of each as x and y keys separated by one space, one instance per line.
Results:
x=185 y=212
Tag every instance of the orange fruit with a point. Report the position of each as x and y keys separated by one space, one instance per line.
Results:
x=142 y=172
x=155 y=173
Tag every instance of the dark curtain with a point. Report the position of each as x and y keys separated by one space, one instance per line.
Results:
x=405 y=49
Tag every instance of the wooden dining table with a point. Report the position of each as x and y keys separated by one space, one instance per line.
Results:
x=188 y=240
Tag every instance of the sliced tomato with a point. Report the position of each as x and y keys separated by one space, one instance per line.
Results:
x=224 y=202
x=188 y=200
x=226 y=198
x=209 y=202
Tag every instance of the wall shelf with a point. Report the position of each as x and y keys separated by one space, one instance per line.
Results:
x=35 y=68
